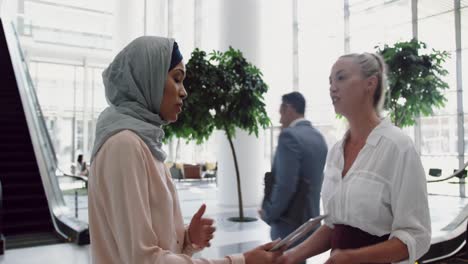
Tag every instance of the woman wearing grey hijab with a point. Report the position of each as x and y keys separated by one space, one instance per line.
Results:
x=134 y=212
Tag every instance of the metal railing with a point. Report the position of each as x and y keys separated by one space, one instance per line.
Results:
x=457 y=173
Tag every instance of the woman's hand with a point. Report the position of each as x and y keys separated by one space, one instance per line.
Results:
x=261 y=255
x=201 y=229
x=342 y=257
x=286 y=258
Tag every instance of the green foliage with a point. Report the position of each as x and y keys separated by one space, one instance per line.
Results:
x=225 y=91
x=414 y=79
x=196 y=122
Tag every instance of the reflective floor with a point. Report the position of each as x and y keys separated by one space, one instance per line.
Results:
x=229 y=238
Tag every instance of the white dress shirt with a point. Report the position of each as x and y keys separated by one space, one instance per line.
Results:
x=384 y=191
x=294 y=123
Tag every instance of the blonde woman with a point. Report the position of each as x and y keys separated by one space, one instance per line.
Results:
x=374 y=188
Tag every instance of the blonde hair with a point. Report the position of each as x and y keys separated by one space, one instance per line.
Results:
x=372 y=64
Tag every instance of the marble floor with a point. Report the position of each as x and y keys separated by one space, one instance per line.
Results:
x=229 y=238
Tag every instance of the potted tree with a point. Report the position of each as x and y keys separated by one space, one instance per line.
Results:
x=414 y=79
x=225 y=92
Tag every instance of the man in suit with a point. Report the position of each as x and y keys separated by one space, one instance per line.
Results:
x=297 y=171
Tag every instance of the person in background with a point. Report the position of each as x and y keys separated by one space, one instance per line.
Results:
x=374 y=189
x=82 y=166
x=297 y=171
x=134 y=211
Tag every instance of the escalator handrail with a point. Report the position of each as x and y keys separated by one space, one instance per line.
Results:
x=40 y=117
x=76 y=177
x=43 y=127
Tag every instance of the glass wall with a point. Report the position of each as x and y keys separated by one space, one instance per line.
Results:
x=439 y=139
x=68 y=44
x=464 y=52
x=70 y=23
x=367 y=28
x=182 y=16
x=435 y=27
x=319 y=47
x=276 y=39
x=71 y=105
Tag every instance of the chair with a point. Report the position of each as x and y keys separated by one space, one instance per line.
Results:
x=435 y=172
x=211 y=171
x=176 y=173
x=192 y=172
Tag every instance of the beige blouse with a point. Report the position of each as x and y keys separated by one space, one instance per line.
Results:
x=134 y=212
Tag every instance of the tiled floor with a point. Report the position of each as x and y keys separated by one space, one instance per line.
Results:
x=229 y=238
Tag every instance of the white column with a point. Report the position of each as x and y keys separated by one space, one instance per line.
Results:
x=198 y=21
x=85 y=114
x=157 y=17
x=295 y=45
x=252 y=167
x=240 y=28
x=460 y=111
x=414 y=22
x=129 y=22
x=137 y=17
x=347 y=46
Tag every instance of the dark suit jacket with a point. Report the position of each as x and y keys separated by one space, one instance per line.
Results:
x=297 y=174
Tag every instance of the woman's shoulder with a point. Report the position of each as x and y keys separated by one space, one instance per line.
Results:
x=396 y=137
x=124 y=140
x=126 y=147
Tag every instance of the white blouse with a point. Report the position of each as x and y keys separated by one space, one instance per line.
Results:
x=384 y=191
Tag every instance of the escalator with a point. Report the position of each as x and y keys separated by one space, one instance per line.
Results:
x=449 y=217
x=449 y=242
x=33 y=210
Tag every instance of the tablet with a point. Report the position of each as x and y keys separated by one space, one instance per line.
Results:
x=300 y=232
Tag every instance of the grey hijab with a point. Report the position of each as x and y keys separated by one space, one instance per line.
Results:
x=134 y=85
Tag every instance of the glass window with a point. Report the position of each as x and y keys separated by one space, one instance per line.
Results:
x=47 y=22
x=368 y=29
x=464 y=35
x=101 y=5
x=210 y=26
x=99 y=99
x=67 y=95
x=79 y=137
x=447 y=164
x=55 y=86
x=429 y=8
x=183 y=29
x=464 y=24
x=319 y=47
x=439 y=135
x=59 y=17
x=276 y=53
x=436 y=27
